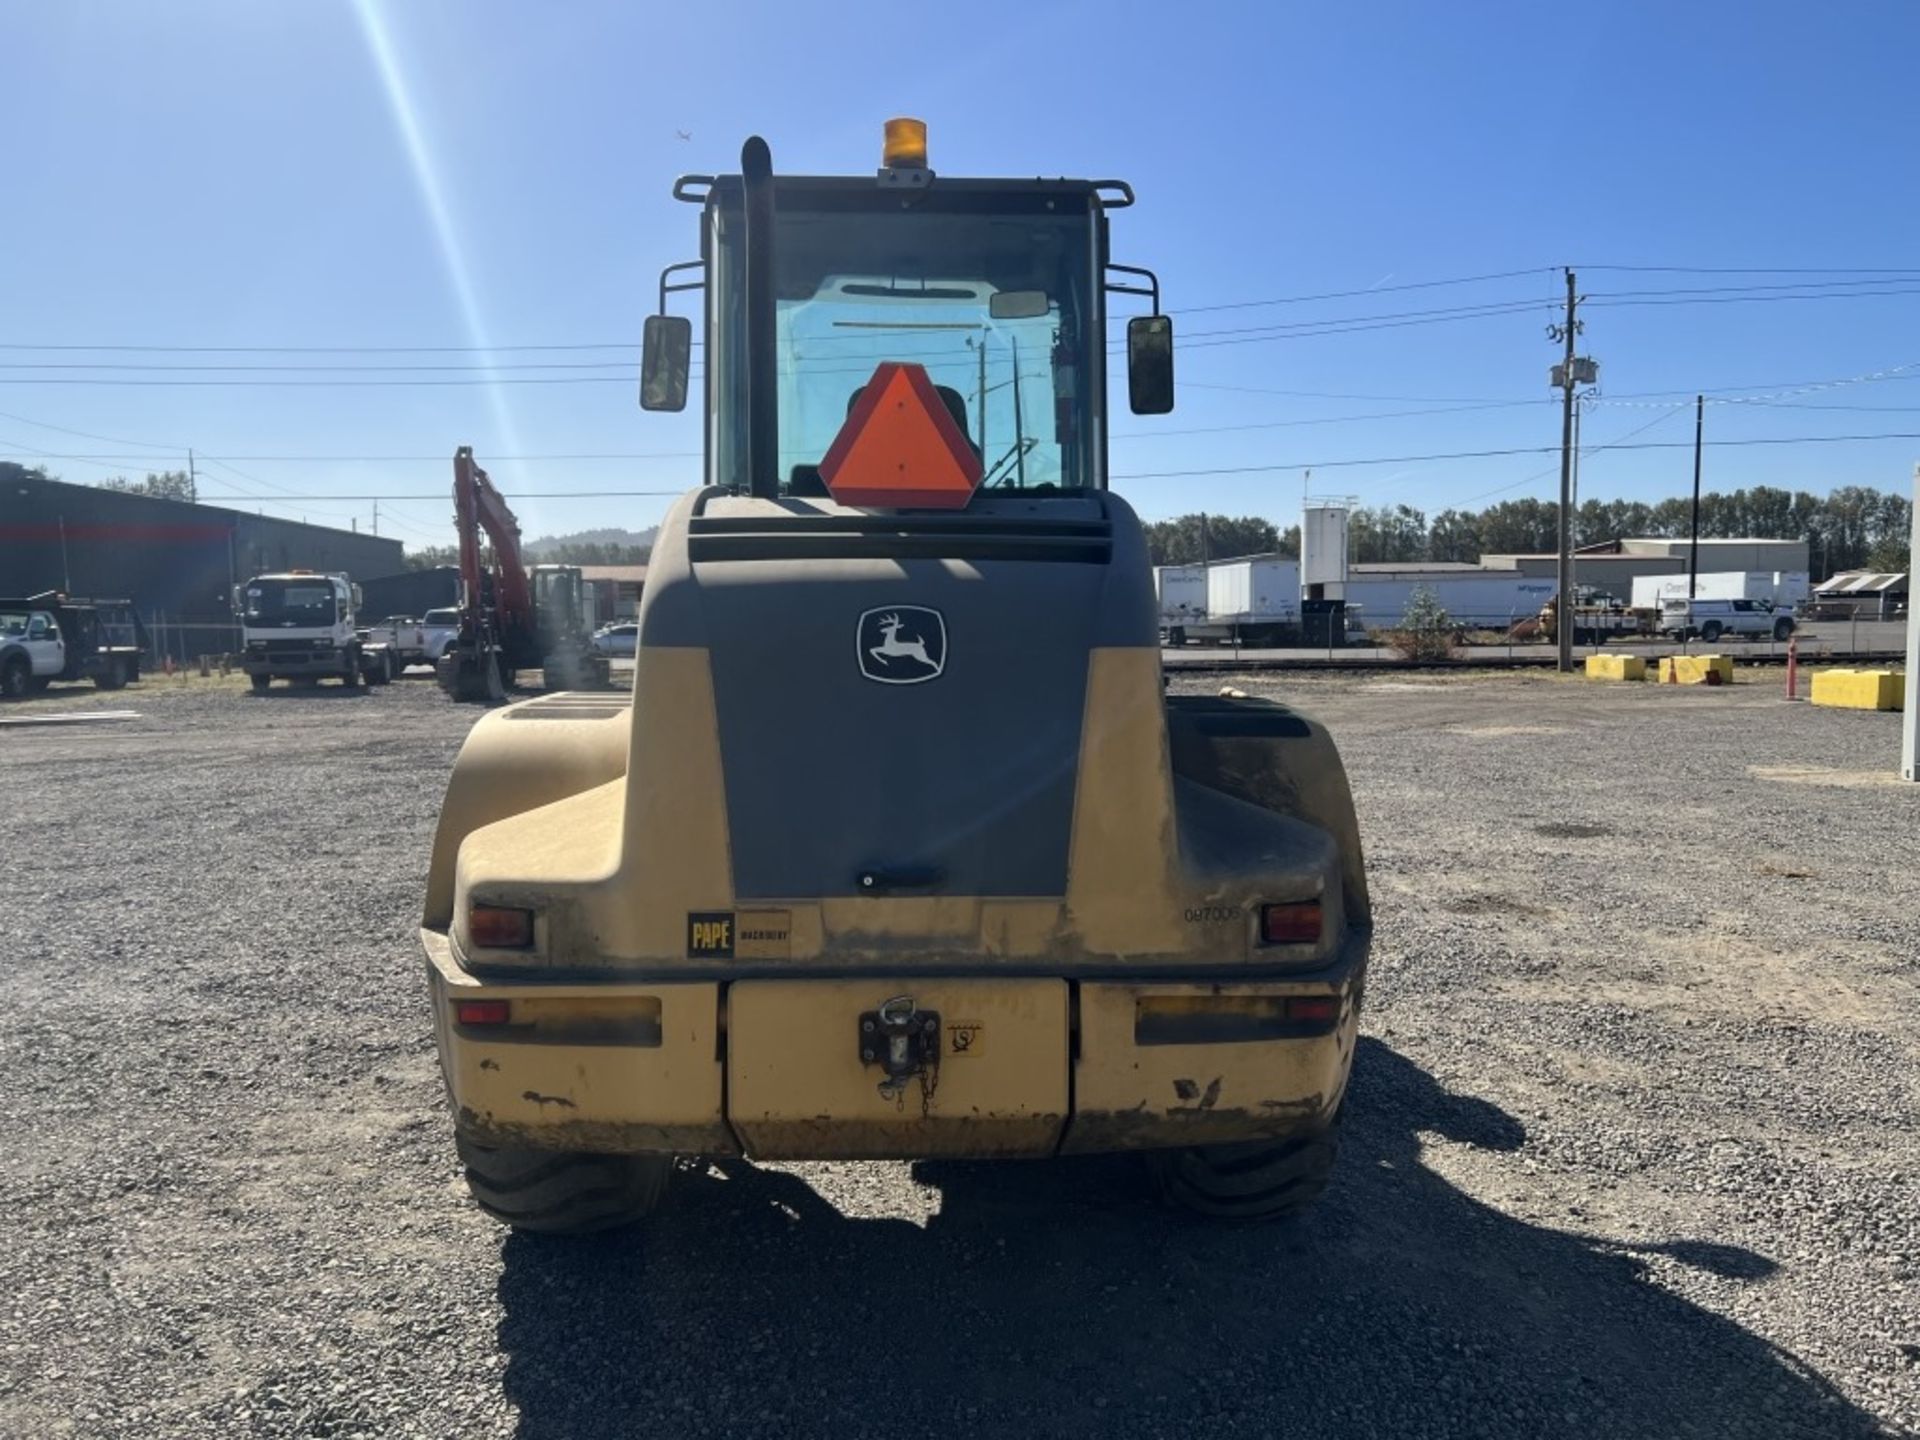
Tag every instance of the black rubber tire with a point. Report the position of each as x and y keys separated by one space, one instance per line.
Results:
x=563 y=1192
x=16 y=679
x=260 y=683
x=1710 y=632
x=114 y=677
x=1782 y=628
x=1264 y=1180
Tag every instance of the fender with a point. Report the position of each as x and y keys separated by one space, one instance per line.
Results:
x=517 y=759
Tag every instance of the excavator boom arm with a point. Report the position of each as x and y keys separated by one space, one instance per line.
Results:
x=478 y=506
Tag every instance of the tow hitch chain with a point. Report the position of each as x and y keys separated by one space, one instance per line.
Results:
x=904 y=1041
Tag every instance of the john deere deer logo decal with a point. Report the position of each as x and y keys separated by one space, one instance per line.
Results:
x=902 y=644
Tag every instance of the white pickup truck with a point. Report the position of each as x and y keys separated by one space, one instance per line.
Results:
x=414 y=642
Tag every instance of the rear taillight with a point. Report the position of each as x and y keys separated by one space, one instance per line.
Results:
x=1297 y=923
x=482 y=1012
x=500 y=927
x=1313 y=1009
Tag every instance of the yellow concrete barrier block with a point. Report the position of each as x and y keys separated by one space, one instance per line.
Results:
x=1859 y=689
x=1696 y=670
x=1616 y=667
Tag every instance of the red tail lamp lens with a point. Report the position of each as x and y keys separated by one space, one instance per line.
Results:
x=1294 y=924
x=500 y=927
x=1317 y=1008
x=482 y=1012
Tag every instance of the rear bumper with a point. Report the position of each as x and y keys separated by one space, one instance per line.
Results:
x=773 y=1068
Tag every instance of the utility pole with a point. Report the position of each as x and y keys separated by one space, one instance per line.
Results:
x=1563 y=617
x=1910 y=722
x=376 y=516
x=193 y=479
x=1573 y=509
x=1206 y=547
x=1693 y=549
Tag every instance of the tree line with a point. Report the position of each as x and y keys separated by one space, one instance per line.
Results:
x=1855 y=527
x=572 y=552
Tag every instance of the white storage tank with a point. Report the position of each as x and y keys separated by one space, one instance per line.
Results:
x=1323 y=551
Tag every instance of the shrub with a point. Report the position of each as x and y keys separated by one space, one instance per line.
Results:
x=1426 y=631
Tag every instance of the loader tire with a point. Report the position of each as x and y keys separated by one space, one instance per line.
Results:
x=1264 y=1180
x=562 y=1192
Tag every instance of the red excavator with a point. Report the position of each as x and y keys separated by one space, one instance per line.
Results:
x=513 y=617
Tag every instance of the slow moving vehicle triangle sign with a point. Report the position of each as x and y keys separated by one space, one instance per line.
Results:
x=901 y=446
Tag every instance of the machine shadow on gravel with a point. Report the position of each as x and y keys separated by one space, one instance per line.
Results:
x=1059 y=1298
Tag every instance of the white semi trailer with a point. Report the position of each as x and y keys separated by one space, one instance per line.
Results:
x=1254 y=600
x=1482 y=600
x=1783 y=589
x=1182 y=594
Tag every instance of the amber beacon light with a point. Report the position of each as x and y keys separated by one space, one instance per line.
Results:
x=906 y=145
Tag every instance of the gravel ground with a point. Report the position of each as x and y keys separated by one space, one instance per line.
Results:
x=1632 y=1151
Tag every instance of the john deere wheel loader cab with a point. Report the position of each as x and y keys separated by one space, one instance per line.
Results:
x=874 y=865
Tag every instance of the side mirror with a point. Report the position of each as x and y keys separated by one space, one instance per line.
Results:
x=357 y=601
x=236 y=600
x=664 y=359
x=1150 y=364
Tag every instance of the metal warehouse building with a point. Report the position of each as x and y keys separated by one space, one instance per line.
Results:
x=177 y=562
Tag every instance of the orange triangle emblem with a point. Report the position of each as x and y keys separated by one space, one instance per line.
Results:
x=901 y=446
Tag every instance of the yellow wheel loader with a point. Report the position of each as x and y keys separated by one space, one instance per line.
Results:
x=900 y=847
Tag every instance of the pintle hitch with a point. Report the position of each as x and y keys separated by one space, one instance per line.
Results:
x=904 y=1041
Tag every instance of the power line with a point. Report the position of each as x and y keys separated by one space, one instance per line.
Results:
x=1752 y=299
x=1328 y=420
x=1834 y=287
x=695 y=454
x=1370 y=290
x=627 y=345
x=324 y=349
x=89 y=435
x=444 y=376
x=1216 y=470
x=625 y=365
x=1758 y=270
x=1492 y=454
x=1585 y=450
x=385 y=459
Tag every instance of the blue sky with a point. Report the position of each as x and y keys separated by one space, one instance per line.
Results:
x=459 y=173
